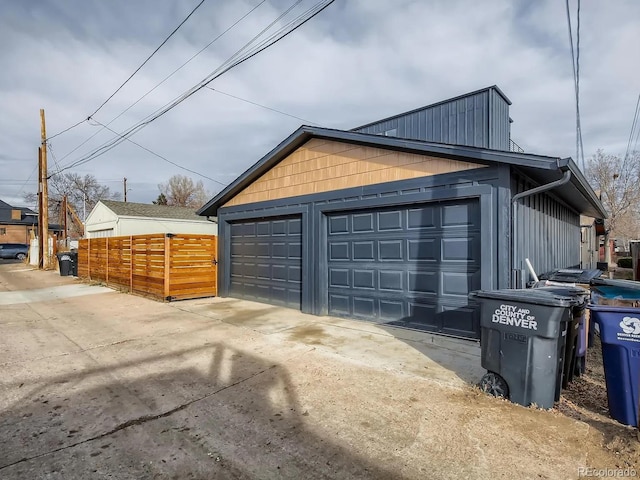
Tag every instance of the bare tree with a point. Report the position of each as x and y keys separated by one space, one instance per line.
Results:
x=618 y=181
x=83 y=192
x=181 y=191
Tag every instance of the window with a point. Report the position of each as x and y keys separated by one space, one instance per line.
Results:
x=3 y=231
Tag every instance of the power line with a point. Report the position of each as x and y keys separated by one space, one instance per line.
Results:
x=634 y=124
x=149 y=57
x=67 y=129
x=262 y=106
x=27 y=180
x=166 y=78
x=575 y=65
x=269 y=41
x=164 y=158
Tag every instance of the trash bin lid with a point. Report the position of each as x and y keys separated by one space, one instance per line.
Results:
x=536 y=296
x=571 y=275
x=610 y=288
x=568 y=291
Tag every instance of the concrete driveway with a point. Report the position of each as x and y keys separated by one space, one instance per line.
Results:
x=100 y=384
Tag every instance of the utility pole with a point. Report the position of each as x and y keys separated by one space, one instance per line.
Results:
x=125 y=189
x=64 y=219
x=44 y=211
x=40 y=242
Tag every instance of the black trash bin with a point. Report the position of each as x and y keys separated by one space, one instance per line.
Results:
x=64 y=262
x=575 y=341
x=74 y=263
x=575 y=277
x=523 y=343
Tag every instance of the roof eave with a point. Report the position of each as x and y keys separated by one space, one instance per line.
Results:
x=464 y=153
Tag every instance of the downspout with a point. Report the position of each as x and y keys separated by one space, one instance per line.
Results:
x=514 y=243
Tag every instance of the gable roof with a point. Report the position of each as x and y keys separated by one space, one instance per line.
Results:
x=577 y=193
x=132 y=209
x=28 y=216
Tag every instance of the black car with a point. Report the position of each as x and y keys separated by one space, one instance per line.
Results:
x=14 y=250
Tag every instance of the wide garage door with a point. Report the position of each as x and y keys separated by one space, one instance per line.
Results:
x=266 y=261
x=411 y=266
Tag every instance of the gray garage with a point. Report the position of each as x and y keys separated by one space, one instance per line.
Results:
x=383 y=224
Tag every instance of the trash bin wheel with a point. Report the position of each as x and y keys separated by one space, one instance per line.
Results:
x=495 y=385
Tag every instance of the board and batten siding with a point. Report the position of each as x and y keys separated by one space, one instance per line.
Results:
x=479 y=119
x=547 y=231
x=323 y=166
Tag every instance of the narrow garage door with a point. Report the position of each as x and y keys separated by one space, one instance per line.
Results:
x=410 y=266
x=266 y=261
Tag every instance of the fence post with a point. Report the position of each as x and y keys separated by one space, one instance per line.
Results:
x=89 y=258
x=167 y=266
x=130 y=263
x=107 y=254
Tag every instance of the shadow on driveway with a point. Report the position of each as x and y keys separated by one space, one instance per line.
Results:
x=240 y=419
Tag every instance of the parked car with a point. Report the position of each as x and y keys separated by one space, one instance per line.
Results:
x=14 y=250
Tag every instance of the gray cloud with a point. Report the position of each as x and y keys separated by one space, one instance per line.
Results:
x=356 y=62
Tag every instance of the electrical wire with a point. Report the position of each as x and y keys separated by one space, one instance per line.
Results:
x=634 y=125
x=262 y=106
x=165 y=78
x=231 y=63
x=575 y=66
x=55 y=160
x=117 y=140
x=133 y=74
x=67 y=129
x=164 y=158
x=149 y=57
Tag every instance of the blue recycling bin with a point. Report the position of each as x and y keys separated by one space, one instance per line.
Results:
x=620 y=337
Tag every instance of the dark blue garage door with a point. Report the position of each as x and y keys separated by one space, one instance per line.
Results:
x=410 y=266
x=266 y=261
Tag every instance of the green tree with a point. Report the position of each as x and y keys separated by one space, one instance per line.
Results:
x=161 y=200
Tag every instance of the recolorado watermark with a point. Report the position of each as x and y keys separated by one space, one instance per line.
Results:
x=584 y=472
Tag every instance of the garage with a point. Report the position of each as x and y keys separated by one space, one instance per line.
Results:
x=411 y=266
x=266 y=261
x=387 y=224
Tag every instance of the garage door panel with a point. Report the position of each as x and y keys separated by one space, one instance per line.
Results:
x=364 y=279
x=411 y=266
x=389 y=250
x=363 y=250
x=392 y=280
x=459 y=284
x=338 y=224
x=339 y=304
x=339 y=251
x=389 y=221
x=339 y=277
x=463 y=214
x=392 y=309
x=266 y=261
x=423 y=250
x=459 y=320
x=423 y=282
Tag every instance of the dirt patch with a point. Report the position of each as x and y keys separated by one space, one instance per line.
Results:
x=585 y=400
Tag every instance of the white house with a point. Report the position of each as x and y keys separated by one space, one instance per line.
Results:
x=112 y=219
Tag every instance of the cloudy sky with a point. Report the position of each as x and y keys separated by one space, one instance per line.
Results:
x=358 y=61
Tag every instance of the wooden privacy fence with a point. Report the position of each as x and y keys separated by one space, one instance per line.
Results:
x=164 y=266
